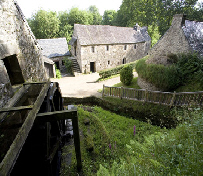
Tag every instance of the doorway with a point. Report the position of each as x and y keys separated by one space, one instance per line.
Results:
x=92 y=67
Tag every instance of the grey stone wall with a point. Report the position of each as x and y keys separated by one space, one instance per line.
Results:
x=108 y=58
x=173 y=41
x=145 y=85
x=16 y=38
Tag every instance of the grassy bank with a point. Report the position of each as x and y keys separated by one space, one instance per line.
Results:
x=113 y=145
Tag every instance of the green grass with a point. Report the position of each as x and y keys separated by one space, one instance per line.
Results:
x=132 y=85
x=151 y=151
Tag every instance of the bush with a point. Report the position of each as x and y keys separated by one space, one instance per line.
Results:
x=126 y=75
x=163 y=77
x=58 y=73
x=68 y=65
x=114 y=71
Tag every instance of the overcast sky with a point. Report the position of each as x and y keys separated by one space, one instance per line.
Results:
x=30 y=6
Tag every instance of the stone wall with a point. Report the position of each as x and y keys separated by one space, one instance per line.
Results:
x=145 y=85
x=16 y=38
x=173 y=41
x=108 y=56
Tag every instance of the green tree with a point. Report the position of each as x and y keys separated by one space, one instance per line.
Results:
x=97 y=18
x=109 y=17
x=44 y=24
x=65 y=29
x=77 y=16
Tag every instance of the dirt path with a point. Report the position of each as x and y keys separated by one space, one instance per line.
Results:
x=84 y=85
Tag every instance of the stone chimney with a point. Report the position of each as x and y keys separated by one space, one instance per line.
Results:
x=178 y=20
x=136 y=27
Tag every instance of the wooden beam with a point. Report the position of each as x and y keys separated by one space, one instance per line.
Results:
x=62 y=115
x=56 y=115
x=19 y=108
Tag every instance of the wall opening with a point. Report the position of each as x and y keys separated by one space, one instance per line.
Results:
x=92 y=67
x=13 y=69
x=75 y=49
x=124 y=60
x=57 y=65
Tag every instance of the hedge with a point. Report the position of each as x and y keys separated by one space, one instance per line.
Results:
x=114 y=71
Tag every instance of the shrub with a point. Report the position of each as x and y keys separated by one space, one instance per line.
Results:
x=114 y=71
x=68 y=65
x=163 y=77
x=126 y=75
x=58 y=73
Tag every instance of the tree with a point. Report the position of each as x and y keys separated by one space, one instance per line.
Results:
x=44 y=24
x=109 y=17
x=77 y=16
x=97 y=18
x=65 y=29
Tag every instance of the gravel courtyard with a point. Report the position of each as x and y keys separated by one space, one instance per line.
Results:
x=84 y=85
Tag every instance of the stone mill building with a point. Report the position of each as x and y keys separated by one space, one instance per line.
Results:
x=98 y=47
x=20 y=55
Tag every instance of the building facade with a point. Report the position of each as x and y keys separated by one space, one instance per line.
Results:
x=56 y=50
x=20 y=55
x=98 y=47
x=183 y=36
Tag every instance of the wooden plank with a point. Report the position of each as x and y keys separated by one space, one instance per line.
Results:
x=19 y=108
x=14 y=99
x=56 y=115
x=12 y=154
x=62 y=115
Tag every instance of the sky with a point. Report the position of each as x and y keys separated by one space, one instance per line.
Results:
x=30 y=6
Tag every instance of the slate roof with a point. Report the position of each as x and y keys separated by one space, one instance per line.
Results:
x=193 y=31
x=54 y=47
x=105 y=34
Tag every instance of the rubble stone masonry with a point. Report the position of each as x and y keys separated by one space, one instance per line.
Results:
x=17 y=39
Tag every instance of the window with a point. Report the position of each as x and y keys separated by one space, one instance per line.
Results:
x=107 y=47
x=125 y=47
x=108 y=62
x=13 y=69
x=135 y=46
x=124 y=60
x=75 y=50
x=92 y=48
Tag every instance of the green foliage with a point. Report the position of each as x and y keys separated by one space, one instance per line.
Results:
x=154 y=34
x=126 y=75
x=97 y=18
x=109 y=17
x=114 y=71
x=172 y=152
x=132 y=85
x=58 y=73
x=77 y=16
x=69 y=65
x=44 y=24
x=163 y=77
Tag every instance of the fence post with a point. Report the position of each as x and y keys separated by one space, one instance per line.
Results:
x=121 y=93
x=146 y=95
x=173 y=98
x=103 y=91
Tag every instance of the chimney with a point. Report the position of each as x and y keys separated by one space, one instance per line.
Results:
x=136 y=27
x=179 y=20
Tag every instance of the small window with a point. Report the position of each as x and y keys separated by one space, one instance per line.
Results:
x=107 y=47
x=135 y=46
x=108 y=62
x=125 y=47
x=13 y=69
x=63 y=62
x=92 y=48
x=75 y=51
x=124 y=60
